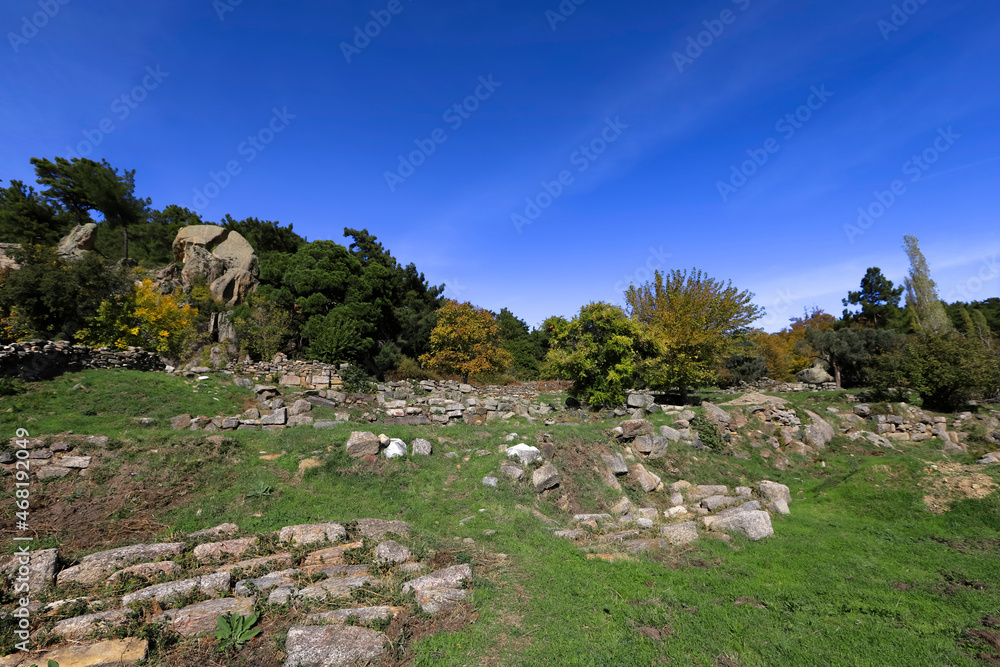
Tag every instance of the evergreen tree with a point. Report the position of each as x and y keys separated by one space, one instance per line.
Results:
x=921 y=293
x=878 y=298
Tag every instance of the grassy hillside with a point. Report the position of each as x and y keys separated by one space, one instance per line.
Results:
x=860 y=572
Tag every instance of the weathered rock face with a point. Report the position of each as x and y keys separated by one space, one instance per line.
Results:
x=819 y=432
x=221 y=257
x=79 y=241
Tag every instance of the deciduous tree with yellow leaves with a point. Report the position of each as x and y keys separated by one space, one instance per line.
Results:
x=466 y=340
x=142 y=318
x=694 y=320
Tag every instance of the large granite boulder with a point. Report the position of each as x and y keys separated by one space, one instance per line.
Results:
x=223 y=258
x=78 y=242
x=815 y=374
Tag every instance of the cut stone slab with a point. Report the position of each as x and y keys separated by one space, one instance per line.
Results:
x=755 y=524
x=591 y=517
x=545 y=477
x=276 y=560
x=310 y=533
x=332 y=646
x=41 y=569
x=331 y=556
x=202 y=617
x=246 y=587
x=449 y=577
x=524 y=453
x=282 y=594
x=52 y=472
x=80 y=626
x=97 y=566
x=360 y=614
x=77 y=462
x=222 y=529
x=208 y=584
x=392 y=553
x=149 y=570
x=615 y=463
x=376 y=529
x=436 y=599
x=113 y=652
x=227 y=548
x=574 y=534
x=335 y=588
x=278 y=417
x=363 y=443
x=647 y=480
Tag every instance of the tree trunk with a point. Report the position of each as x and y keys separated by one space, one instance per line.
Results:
x=125 y=236
x=836 y=375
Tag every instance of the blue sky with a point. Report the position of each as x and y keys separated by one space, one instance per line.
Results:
x=591 y=142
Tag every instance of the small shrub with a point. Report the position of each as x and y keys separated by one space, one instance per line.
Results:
x=11 y=386
x=356 y=380
x=709 y=433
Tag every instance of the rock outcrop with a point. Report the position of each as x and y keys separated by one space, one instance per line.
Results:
x=221 y=257
x=78 y=242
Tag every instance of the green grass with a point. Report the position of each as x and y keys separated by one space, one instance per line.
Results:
x=859 y=574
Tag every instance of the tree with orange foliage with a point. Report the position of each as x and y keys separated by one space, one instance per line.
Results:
x=466 y=340
x=779 y=349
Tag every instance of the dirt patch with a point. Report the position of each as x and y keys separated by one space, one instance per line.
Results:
x=952 y=482
x=87 y=515
x=405 y=629
x=985 y=642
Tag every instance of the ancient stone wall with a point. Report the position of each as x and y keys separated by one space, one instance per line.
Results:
x=40 y=359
